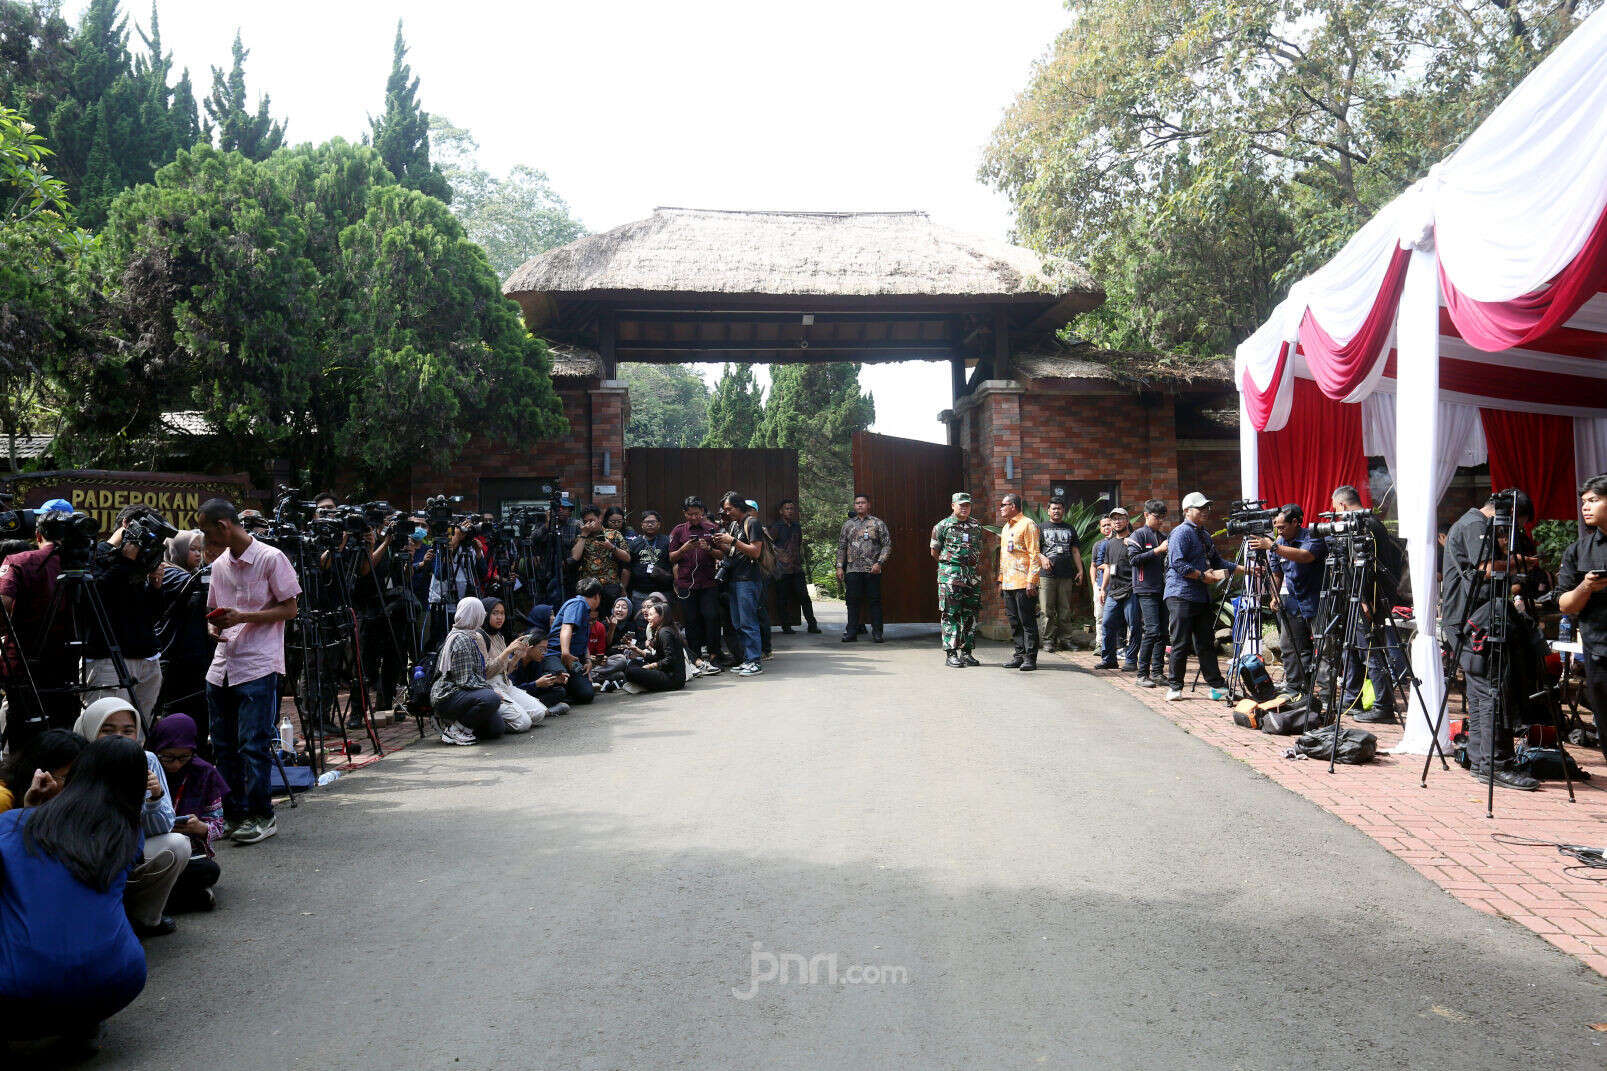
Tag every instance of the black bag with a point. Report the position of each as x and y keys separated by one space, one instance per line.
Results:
x=1545 y=764
x=1356 y=747
x=1257 y=681
x=1293 y=719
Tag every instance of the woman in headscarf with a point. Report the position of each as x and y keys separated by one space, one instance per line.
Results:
x=197 y=790
x=68 y=958
x=520 y=709
x=166 y=852
x=463 y=702
x=182 y=634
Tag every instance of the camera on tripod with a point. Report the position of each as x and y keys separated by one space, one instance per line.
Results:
x=290 y=508
x=74 y=535
x=149 y=531
x=16 y=523
x=1341 y=522
x=438 y=512
x=1250 y=517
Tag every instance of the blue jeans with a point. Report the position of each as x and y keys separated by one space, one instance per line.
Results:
x=1118 y=619
x=745 y=596
x=242 y=717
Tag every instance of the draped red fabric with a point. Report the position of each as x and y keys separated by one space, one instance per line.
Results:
x=1260 y=404
x=1340 y=369
x=1319 y=449
x=1503 y=325
x=1535 y=453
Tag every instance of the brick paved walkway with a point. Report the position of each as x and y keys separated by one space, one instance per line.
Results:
x=1440 y=830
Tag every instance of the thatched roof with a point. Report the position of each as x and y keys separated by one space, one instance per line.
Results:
x=796 y=254
x=1136 y=369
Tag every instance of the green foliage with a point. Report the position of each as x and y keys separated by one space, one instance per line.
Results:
x=513 y=218
x=253 y=135
x=669 y=405
x=110 y=116
x=402 y=133
x=735 y=409
x=1552 y=538
x=1200 y=155
x=42 y=311
x=314 y=311
x=815 y=409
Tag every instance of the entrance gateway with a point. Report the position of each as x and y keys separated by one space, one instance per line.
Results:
x=1029 y=412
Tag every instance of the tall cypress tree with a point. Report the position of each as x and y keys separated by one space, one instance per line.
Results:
x=735 y=409
x=254 y=136
x=402 y=134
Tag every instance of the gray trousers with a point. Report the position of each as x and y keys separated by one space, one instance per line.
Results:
x=145 y=897
x=1055 y=594
x=1294 y=633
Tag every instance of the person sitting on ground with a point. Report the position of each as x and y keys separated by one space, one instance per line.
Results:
x=197 y=790
x=566 y=646
x=69 y=959
x=468 y=708
x=167 y=852
x=661 y=666
x=608 y=645
x=520 y=709
x=37 y=772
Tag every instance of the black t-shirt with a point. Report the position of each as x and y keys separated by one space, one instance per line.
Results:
x=1121 y=570
x=1056 y=539
x=183 y=634
x=131 y=604
x=647 y=554
x=742 y=567
x=1580 y=558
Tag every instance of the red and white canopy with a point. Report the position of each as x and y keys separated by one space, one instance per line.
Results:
x=1466 y=320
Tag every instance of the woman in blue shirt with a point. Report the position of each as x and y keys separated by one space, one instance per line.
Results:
x=68 y=955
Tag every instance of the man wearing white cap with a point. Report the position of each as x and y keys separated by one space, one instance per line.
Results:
x=1192 y=565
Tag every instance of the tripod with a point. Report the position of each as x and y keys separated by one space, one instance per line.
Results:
x=1495 y=588
x=1249 y=617
x=76 y=594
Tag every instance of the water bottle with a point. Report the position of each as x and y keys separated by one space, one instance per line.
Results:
x=287 y=736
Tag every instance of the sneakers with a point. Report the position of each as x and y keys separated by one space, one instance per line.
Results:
x=969 y=659
x=231 y=826
x=557 y=709
x=1144 y=682
x=610 y=686
x=1174 y=694
x=705 y=668
x=954 y=660
x=633 y=688
x=253 y=830
x=1130 y=667
x=850 y=637
x=749 y=669
x=1219 y=691
x=1105 y=663
x=459 y=734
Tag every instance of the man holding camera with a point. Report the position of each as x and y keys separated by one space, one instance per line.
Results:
x=1192 y=564
x=27 y=584
x=1380 y=586
x=1582 y=580
x=599 y=553
x=1299 y=571
x=128 y=578
x=694 y=556
x=1461 y=574
x=743 y=543
x=650 y=559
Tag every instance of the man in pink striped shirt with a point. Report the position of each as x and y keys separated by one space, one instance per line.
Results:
x=252 y=594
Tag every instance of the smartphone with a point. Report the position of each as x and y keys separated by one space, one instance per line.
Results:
x=1597 y=574
x=215 y=614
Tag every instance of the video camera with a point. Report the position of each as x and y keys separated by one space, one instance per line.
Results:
x=440 y=516
x=290 y=508
x=16 y=523
x=1341 y=523
x=74 y=535
x=1249 y=517
x=149 y=531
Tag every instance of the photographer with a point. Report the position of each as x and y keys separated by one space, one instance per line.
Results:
x=743 y=541
x=187 y=646
x=1147 y=552
x=1460 y=573
x=598 y=553
x=128 y=578
x=1193 y=563
x=1116 y=585
x=1582 y=580
x=694 y=555
x=1299 y=572
x=1380 y=586
x=382 y=627
x=27 y=584
x=650 y=559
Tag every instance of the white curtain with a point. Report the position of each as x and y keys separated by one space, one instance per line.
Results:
x=1249 y=455
x=1459 y=442
x=1418 y=438
x=1590 y=448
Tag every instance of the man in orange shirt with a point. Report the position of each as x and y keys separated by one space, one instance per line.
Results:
x=1018 y=581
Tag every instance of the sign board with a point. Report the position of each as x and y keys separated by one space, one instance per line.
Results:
x=103 y=495
x=604 y=489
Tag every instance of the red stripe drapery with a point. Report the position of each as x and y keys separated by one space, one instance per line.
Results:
x=1319 y=449
x=1340 y=369
x=1535 y=453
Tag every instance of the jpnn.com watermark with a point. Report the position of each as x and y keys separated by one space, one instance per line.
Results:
x=794 y=968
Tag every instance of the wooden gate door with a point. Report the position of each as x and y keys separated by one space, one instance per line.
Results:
x=660 y=478
x=909 y=483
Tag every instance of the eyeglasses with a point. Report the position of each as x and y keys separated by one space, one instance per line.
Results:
x=178 y=758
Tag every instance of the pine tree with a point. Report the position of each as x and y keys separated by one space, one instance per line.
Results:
x=402 y=134
x=735 y=409
x=238 y=130
x=815 y=409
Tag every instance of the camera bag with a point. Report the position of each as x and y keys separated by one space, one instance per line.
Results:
x=1257 y=681
x=1294 y=719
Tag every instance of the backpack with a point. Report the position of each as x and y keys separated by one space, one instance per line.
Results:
x=1355 y=746
x=1257 y=681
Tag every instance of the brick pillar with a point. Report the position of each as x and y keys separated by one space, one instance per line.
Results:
x=610 y=412
x=995 y=423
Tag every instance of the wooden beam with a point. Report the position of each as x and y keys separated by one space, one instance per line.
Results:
x=1001 y=342
x=957 y=376
x=607 y=344
x=934 y=349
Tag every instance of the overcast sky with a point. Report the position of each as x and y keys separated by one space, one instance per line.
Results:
x=627 y=105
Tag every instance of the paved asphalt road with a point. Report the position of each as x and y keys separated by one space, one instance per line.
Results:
x=1040 y=872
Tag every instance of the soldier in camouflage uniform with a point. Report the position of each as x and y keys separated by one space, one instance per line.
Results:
x=957 y=546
